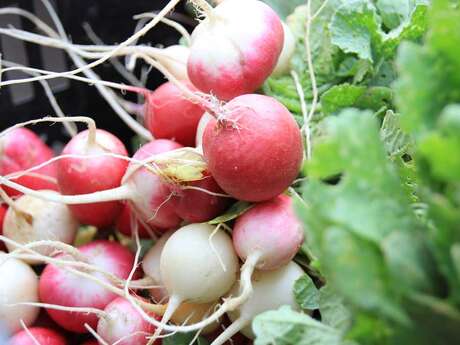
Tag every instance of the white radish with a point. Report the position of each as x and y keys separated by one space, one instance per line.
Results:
x=19 y=284
x=272 y=289
x=32 y=219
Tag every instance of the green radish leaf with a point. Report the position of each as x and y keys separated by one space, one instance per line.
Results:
x=306 y=293
x=333 y=311
x=184 y=339
x=236 y=210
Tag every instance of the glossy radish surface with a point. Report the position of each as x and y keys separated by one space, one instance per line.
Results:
x=64 y=288
x=19 y=284
x=93 y=174
x=40 y=335
x=235 y=48
x=170 y=115
x=21 y=149
x=254 y=153
x=124 y=224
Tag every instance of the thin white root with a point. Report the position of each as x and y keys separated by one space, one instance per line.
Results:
x=213 y=248
x=98 y=312
x=230 y=331
x=29 y=334
x=70 y=127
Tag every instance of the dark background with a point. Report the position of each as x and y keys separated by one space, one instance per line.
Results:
x=113 y=23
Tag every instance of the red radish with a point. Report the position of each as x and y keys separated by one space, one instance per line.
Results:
x=123 y=321
x=32 y=219
x=21 y=149
x=91 y=342
x=197 y=206
x=170 y=115
x=3 y=209
x=19 y=285
x=271 y=229
x=123 y=224
x=86 y=175
x=174 y=58
x=284 y=61
x=254 y=152
x=235 y=48
x=152 y=199
x=40 y=335
x=63 y=288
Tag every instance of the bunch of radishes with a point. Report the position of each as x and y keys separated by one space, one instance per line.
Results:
x=248 y=148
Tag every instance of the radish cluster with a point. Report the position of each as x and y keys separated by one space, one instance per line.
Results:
x=216 y=142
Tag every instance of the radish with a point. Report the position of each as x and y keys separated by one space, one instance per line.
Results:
x=269 y=230
x=152 y=197
x=123 y=224
x=198 y=265
x=93 y=174
x=40 y=335
x=235 y=48
x=21 y=149
x=124 y=322
x=91 y=342
x=254 y=151
x=151 y=267
x=175 y=58
x=19 y=284
x=272 y=289
x=31 y=219
x=170 y=115
x=201 y=203
x=186 y=312
x=283 y=64
x=3 y=209
x=63 y=288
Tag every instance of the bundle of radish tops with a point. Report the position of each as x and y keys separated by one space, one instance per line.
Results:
x=210 y=187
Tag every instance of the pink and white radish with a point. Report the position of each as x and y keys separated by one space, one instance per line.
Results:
x=93 y=174
x=272 y=289
x=254 y=151
x=19 y=285
x=63 y=288
x=170 y=115
x=175 y=58
x=284 y=61
x=269 y=231
x=123 y=324
x=124 y=224
x=151 y=196
x=21 y=149
x=235 y=48
x=40 y=335
x=31 y=219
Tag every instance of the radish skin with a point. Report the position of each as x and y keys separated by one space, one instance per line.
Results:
x=235 y=48
x=21 y=149
x=152 y=199
x=170 y=115
x=87 y=175
x=284 y=61
x=60 y=287
x=124 y=322
x=48 y=221
x=272 y=289
x=255 y=151
x=270 y=228
x=175 y=58
x=123 y=224
x=43 y=336
x=19 y=285
x=3 y=210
